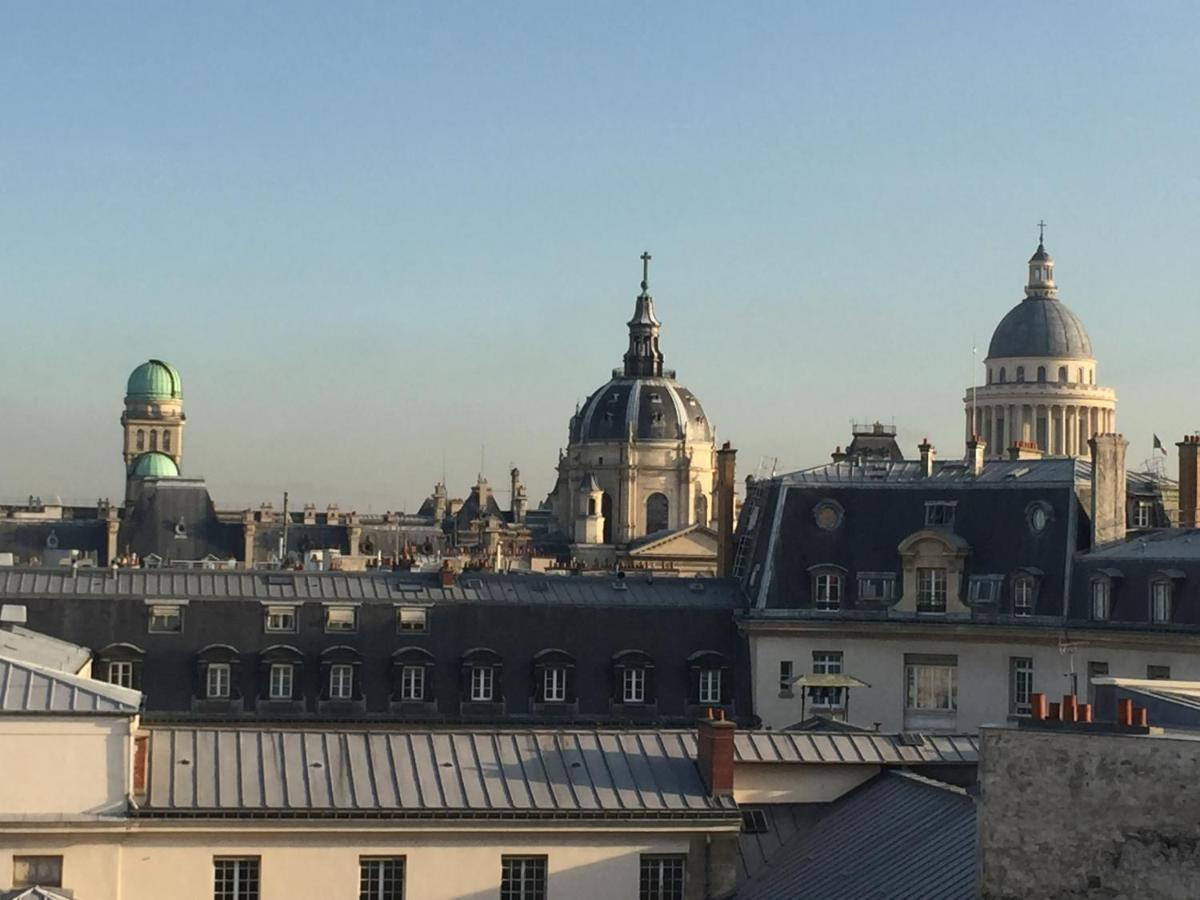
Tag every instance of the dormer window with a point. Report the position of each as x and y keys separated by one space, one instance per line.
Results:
x=939 y=514
x=931 y=590
x=827 y=589
x=1023 y=593
x=1143 y=514
x=1100 y=600
x=655 y=397
x=1160 y=601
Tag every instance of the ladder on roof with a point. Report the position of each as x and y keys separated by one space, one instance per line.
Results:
x=750 y=512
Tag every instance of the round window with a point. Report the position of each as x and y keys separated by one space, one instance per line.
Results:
x=1038 y=515
x=828 y=514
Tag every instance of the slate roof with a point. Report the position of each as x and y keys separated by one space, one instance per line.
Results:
x=42 y=650
x=1176 y=543
x=29 y=688
x=654 y=408
x=1040 y=326
x=419 y=773
x=946 y=473
x=896 y=836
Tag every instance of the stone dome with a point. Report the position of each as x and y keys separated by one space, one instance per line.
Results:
x=1040 y=326
x=154 y=465
x=651 y=408
x=154 y=379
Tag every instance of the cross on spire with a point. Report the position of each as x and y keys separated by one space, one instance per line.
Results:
x=646 y=269
x=1041 y=232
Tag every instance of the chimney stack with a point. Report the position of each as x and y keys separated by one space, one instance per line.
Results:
x=1108 y=488
x=714 y=753
x=1024 y=450
x=927 y=456
x=446 y=574
x=726 y=465
x=976 y=450
x=1189 y=481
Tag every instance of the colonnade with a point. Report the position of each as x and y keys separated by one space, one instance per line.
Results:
x=1059 y=429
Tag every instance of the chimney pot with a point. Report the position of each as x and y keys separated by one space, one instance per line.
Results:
x=1085 y=712
x=1124 y=711
x=446 y=575
x=1069 y=708
x=1037 y=706
x=1052 y=715
x=1141 y=716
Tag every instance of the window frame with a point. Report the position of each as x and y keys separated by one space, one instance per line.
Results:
x=217 y=669
x=940 y=513
x=1100 y=589
x=633 y=685
x=1158 y=673
x=406 y=628
x=251 y=890
x=939 y=585
x=36 y=859
x=517 y=882
x=123 y=665
x=1143 y=514
x=1024 y=595
x=1161 y=601
x=341 y=676
x=708 y=691
x=373 y=877
x=828 y=586
x=281 y=610
x=913 y=690
x=554 y=684
x=159 y=611
x=827 y=662
x=655 y=882
x=886 y=582
x=787 y=676
x=412 y=683
x=1020 y=685
x=481 y=677
x=350 y=628
x=281 y=668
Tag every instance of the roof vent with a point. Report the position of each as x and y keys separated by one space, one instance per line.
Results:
x=1017 y=473
x=473 y=584
x=12 y=614
x=696 y=587
x=620 y=586
x=910 y=739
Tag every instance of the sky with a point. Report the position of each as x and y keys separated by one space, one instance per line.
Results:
x=380 y=241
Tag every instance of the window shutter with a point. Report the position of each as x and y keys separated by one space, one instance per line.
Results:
x=693 y=684
x=650 y=695
x=726 y=685
x=569 y=695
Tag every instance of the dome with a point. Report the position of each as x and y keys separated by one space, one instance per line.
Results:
x=155 y=379
x=1040 y=326
x=154 y=465
x=652 y=408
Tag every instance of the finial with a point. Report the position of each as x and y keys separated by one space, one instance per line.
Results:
x=1042 y=232
x=646 y=270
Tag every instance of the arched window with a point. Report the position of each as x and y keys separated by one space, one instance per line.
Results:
x=709 y=679
x=554 y=677
x=153 y=439
x=989 y=376
x=280 y=667
x=591 y=506
x=1003 y=374
x=1020 y=374
x=1062 y=374
x=341 y=678
x=167 y=441
x=606 y=510
x=140 y=440
x=657 y=513
x=1081 y=381
x=701 y=508
x=633 y=678
x=217 y=669
x=1024 y=590
x=1041 y=374
x=481 y=676
x=412 y=676
x=120 y=664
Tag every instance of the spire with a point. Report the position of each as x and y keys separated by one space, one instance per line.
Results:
x=643 y=356
x=1041 y=270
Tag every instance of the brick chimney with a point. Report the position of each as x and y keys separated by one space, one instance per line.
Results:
x=446 y=574
x=141 y=753
x=1189 y=481
x=927 y=457
x=976 y=451
x=1108 y=488
x=1024 y=450
x=714 y=753
x=726 y=465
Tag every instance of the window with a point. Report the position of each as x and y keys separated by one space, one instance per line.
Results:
x=412 y=683
x=931 y=590
x=1062 y=374
x=1020 y=685
x=785 y=676
x=140 y=441
x=1003 y=374
x=931 y=682
x=1143 y=512
x=1041 y=374
x=827 y=590
x=662 y=877
x=121 y=673
x=281 y=619
x=166 y=441
x=153 y=439
x=710 y=686
x=411 y=620
x=235 y=879
x=522 y=878
x=381 y=878
x=754 y=821
x=554 y=684
x=633 y=685
x=37 y=870
x=939 y=514
x=1158 y=673
x=1023 y=596
x=341 y=618
x=1160 y=602
x=481 y=684
x=985 y=588
x=1020 y=374
x=341 y=682
x=280 y=681
x=216 y=681
x=826 y=662
x=166 y=619
x=657 y=513
x=1101 y=596
x=877 y=586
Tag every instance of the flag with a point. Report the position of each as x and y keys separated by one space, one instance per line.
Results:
x=1158 y=445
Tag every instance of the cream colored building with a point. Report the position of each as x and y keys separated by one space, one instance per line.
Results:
x=1040 y=383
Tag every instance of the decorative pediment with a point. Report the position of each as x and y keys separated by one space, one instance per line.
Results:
x=933 y=541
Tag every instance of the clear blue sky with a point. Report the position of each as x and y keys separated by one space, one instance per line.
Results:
x=372 y=234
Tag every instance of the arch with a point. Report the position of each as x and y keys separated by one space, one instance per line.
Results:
x=139 y=440
x=1041 y=374
x=606 y=510
x=341 y=652
x=282 y=653
x=658 y=513
x=217 y=652
x=701 y=508
x=1062 y=375
x=166 y=441
x=413 y=656
x=591 y=506
x=1020 y=374
x=120 y=649
x=553 y=654
x=1003 y=374
x=153 y=439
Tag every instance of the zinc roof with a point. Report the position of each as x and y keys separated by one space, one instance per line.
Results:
x=41 y=649
x=997 y=472
x=827 y=747
x=29 y=688
x=485 y=773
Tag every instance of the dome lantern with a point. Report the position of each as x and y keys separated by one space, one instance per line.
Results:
x=643 y=356
x=1041 y=270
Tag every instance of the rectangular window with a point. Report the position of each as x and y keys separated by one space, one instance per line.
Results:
x=984 y=588
x=522 y=878
x=710 y=686
x=120 y=673
x=662 y=877
x=381 y=878
x=1101 y=594
x=1095 y=670
x=828 y=591
x=1160 y=602
x=166 y=619
x=217 y=681
x=1143 y=512
x=412 y=683
x=481 y=684
x=939 y=514
x=1158 y=673
x=1020 y=685
x=633 y=686
x=754 y=821
x=554 y=685
x=876 y=586
x=411 y=620
x=785 y=676
x=827 y=662
x=341 y=618
x=280 y=685
x=1023 y=597
x=281 y=619
x=341 y=682
x=235 y=878
x=37 y=870
x=931 y=682
x=931 y=590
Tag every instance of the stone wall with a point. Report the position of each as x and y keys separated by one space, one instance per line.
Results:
x=1070 y=814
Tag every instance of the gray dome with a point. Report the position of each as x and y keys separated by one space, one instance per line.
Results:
x=1040 y=326
x=655 y=409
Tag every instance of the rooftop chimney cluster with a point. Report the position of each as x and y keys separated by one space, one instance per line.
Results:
x=1071 y=715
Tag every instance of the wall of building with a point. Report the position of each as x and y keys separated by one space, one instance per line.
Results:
x=60 y=766
x=984 y=671
x=784 y=783
x=1084 y=815
x=300 y=860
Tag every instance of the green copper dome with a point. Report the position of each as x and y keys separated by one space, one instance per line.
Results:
x=155 y=379
x=154 y=465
